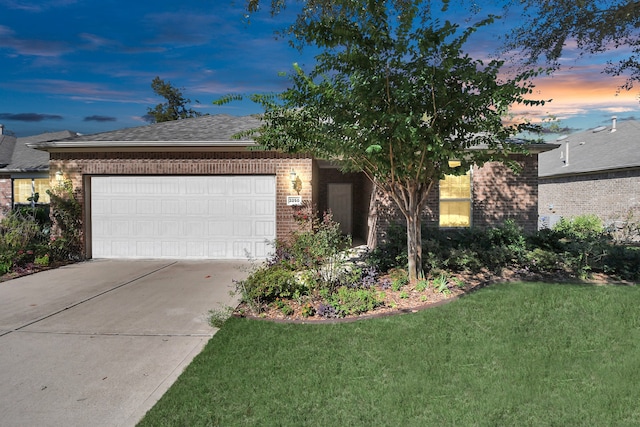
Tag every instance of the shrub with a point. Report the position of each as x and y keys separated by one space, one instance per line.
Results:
x=392 y=250
x=22 y=240
x=67 y=217
x=583 y=242
x=624 y=262
x=266 y=284
x=541 y=260
x=399 y=278
x=347 y=301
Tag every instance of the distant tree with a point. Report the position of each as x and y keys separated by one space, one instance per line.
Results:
x=596 y=26
x=394 y=95
x=176 y=106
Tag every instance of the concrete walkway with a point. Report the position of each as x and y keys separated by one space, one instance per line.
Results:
x=97 y=343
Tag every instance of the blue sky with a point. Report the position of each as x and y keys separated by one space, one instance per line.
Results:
x=87 y=66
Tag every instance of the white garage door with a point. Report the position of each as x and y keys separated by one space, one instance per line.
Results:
x=182 y=217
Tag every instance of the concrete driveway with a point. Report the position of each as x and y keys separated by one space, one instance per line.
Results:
x=97 y=343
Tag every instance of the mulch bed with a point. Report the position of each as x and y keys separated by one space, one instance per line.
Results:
x=408 y=300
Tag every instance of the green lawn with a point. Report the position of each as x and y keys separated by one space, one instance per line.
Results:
x=510 y=354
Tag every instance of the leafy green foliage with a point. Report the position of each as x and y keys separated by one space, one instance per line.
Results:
x=22 y=240
x=394 y=94
x=623 y=261
x=66 y=211
x=347 y=301
x=399 y=278
x=576 y=246
x=266 y=284
x=316 y=247
x=593 y=26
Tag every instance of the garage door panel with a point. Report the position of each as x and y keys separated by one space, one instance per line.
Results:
x=241 y=185
x=169 y=207
x=182 y=217
x=217 y=249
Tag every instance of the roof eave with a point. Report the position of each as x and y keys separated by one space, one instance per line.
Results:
x=148 y=146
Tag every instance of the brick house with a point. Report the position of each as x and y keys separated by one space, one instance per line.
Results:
x=188 y=189
x=593 y=172
x=24 y=170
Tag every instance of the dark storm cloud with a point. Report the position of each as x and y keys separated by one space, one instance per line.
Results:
x=29 y=117
x=99 y=119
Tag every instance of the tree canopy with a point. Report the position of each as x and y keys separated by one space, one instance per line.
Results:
x=394 y=94
x=595 y=26
x=545 y=27
x=175 y=108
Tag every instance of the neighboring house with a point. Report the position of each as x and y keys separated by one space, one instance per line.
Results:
x=592 y=172
x=188 y=189
x=24 y=171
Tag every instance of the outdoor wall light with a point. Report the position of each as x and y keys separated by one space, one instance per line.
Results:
x=59 y=176
x=296 y=182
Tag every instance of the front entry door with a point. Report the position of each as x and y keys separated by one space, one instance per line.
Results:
x=340 y=204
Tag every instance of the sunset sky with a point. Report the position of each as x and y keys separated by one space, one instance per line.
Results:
x=87 y=66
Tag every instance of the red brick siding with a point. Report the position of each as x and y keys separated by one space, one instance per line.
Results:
x=6 y=194
x=609 y=195
x=498 y=194
x=76 y=166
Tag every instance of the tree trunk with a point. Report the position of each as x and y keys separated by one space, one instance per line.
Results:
x=372 y=220
x=414 y=245
x=411 y=198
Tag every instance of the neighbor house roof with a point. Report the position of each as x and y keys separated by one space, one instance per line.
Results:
x=202 y=132
x=7 y=144
x=600 y=149
x=16 y=156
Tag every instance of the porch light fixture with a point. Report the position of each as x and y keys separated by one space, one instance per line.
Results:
x=296 y=182
x=59 y=176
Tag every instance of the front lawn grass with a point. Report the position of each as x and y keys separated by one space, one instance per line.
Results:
x=508 y=354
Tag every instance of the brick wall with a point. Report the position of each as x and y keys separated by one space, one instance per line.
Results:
x=498 y=194
x=77 y=166
x=609 y=195
x=6 y=194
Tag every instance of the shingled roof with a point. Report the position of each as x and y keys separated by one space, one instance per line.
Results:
x=596 y=150
x=17 y=156
x=204 y=131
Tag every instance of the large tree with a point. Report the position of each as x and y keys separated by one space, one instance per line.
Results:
x=175 y=107
x=393 y=94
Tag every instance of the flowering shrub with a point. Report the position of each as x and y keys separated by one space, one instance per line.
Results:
x=304 y=266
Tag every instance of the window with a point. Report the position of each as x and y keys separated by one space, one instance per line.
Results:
x=455 y=199
x=24 y=188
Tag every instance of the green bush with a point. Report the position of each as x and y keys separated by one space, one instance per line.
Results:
x=584 y=243
x=541 y=260
x=392 y=250
x=67 y=217
x=22 y=240
x=347 y=301
x=266 y=284
x=623 y=262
